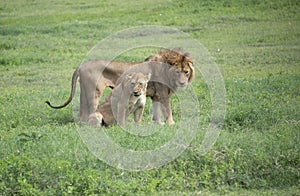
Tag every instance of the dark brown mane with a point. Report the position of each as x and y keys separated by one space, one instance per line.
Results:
x=170 y=56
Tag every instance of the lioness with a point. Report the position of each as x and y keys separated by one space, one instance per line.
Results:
x=129 y=96
x=96 y=75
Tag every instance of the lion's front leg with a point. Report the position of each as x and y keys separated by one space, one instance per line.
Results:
x=167 y=111
x=161 y=105
x=157 y=112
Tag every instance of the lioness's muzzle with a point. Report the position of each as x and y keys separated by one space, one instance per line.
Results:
x=136 y=94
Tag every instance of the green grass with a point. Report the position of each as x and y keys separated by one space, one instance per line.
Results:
x=256 y=45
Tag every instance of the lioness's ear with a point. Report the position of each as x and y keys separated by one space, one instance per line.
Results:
x=148 y=76
x=192 y=75
x=129 y=76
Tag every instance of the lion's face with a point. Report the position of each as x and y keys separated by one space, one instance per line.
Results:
x=183 y=74
x=138 y=83
x=181 y=62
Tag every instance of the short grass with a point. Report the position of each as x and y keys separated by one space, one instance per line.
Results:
x=256 y=45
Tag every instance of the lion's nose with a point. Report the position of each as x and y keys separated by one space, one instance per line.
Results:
x=182 y=83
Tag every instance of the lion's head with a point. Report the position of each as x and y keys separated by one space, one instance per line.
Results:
x=180 y=60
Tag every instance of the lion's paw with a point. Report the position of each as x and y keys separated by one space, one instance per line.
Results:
x=171 y=122
x=95 y=119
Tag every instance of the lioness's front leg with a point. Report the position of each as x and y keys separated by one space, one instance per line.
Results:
x=121 y=115
x=138 y=113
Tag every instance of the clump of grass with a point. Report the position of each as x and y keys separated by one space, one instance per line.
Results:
x=268 y=101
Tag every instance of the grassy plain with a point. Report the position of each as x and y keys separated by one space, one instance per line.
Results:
x=256 y=45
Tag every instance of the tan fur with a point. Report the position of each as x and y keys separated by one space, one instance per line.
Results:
x=129 y=96
x=96 y=75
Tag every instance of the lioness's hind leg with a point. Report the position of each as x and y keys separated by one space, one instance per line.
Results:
x=87 y=106
x=95 y=119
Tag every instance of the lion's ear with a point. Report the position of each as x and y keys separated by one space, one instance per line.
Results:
x=192 y=75
x=149 y=58
x=178 y=51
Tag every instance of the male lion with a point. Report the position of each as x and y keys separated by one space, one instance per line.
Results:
x=129 y=96
x=96 y=75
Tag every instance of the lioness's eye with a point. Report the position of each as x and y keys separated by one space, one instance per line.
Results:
x=186 y=72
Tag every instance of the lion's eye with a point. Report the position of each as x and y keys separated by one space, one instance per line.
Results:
x=186 y=72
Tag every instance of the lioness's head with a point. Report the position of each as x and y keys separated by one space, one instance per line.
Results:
x=138 y=83
x=180 y=61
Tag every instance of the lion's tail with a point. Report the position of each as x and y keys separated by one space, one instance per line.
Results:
x=74 y=81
